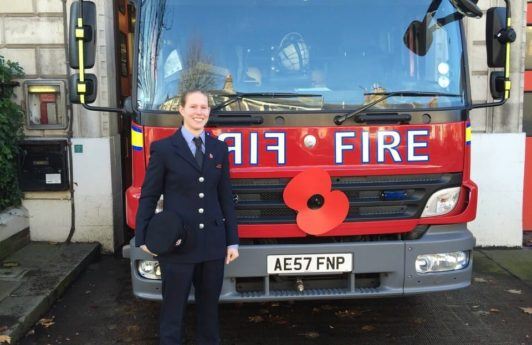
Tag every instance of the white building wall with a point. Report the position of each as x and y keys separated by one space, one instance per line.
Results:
x=499 y=176
x=498 y=145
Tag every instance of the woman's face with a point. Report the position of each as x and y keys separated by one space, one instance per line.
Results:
x=195 y=112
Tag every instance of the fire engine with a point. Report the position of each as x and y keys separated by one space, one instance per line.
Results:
x=348 y=130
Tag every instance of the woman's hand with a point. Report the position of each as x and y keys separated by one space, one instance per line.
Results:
x=232 y=254
x=144 y=248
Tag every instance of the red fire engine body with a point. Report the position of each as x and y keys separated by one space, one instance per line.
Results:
x=432 y=156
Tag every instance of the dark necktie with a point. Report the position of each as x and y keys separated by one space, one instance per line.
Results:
x=199 y=152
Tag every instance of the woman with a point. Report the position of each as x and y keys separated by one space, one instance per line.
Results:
x=191 y=170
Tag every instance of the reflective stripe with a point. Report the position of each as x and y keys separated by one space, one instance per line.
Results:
x=468 y=133
x=137 y=140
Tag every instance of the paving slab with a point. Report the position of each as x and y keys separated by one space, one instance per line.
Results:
x=32 y=279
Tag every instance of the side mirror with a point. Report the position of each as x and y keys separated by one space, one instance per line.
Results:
x=419 y=34
x=497 y=36
x=467 y=8
x=418 y=37
x=89 y=88
x=497 y=81
x=82 y=43
x=86 y=32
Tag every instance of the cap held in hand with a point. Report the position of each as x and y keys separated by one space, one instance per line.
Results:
x=167 y=234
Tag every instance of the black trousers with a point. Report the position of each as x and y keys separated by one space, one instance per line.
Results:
x=177 y=278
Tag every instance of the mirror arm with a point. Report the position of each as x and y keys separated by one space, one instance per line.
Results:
x=105 y=109
x=487 y=104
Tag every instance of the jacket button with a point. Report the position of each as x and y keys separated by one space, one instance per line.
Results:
x=201 y=226
x=200 y=210
x=201 y=195
x=201 y=179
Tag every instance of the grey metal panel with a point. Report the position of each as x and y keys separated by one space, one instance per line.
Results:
x=392 y=260
x=298 y=119
x=438 y=239
x=368 y=256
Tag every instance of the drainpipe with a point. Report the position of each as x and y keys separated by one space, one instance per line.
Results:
x=69 y=130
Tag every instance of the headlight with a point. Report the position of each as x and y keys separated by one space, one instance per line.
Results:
x=442 y=262
x=149 y=269
x=441 y=202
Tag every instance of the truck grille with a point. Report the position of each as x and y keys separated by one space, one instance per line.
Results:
x=260 y=201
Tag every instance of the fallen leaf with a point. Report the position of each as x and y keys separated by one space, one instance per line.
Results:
x=480 y=280
x=348 y=313
x=5 y=339
x=327 y=307
x=46 y=322
x=9 y=264
x=331 y=326
x=527 y=310
x=256 y=318
x=133 y=329
x=516 y=292
x=311 y=335
x=278 y=319
x=342 y=313
x=368 y=328
x=3 y=328
x=316 y=310
x=494 y=310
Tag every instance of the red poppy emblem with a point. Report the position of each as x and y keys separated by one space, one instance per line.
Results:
x=319 y=209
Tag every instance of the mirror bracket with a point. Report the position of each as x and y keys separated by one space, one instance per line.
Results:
x=506 y=35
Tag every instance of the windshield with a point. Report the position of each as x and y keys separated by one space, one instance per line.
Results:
x=334 y=53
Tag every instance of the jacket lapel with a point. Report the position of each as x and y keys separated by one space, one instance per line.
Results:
x=182 y=149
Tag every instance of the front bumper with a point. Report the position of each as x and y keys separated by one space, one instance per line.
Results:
x=392 y=262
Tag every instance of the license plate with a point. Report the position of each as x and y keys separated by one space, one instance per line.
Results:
x=310 y=263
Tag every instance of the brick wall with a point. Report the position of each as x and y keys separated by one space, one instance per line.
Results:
x=32 y=33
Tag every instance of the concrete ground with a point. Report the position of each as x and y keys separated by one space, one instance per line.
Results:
x=497 y=309
x=32 y=278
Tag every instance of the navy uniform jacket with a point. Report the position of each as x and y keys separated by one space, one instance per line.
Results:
x=202 y=197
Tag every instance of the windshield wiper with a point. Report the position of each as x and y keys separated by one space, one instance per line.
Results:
x=339 y=119
x=234 y=97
